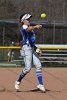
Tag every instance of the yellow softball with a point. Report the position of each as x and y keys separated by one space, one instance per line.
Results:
x=43 y=15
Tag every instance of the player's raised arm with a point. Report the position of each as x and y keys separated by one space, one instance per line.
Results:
x=33 y=27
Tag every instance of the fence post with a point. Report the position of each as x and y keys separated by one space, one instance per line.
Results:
x=3 y=34
x=54 y=33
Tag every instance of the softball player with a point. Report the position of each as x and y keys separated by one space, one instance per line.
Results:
x=29 y=51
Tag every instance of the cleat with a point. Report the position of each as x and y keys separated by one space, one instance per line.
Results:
x=17 y=85
x=41 y=88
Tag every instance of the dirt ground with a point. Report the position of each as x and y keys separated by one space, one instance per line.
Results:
x=55 y=82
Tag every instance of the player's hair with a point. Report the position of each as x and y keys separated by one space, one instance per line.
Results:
x=20 y=23
x=21 y=17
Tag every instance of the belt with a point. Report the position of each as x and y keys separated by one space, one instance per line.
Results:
x=26 y=44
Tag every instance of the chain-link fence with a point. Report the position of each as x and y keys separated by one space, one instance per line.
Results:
x=51 y=33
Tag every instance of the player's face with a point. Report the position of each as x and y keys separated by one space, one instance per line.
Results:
x=26 y=22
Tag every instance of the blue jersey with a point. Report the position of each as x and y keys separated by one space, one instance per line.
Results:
x=28 y=37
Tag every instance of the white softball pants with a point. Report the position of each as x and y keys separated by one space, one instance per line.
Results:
x=30 y=57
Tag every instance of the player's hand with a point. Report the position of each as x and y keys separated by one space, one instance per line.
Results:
x=39 y=51
x=38 y=26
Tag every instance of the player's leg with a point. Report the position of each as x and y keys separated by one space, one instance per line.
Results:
x=27 y=68
x=28 y=61
x=38 y=65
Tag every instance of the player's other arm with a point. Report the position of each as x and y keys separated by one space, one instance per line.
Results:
x=33 y=27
